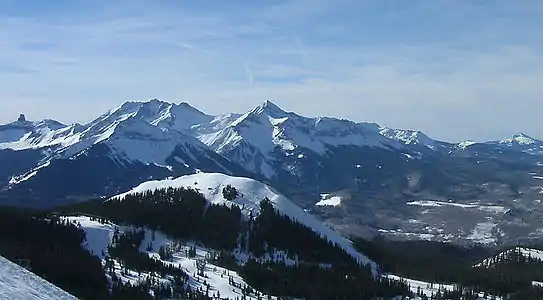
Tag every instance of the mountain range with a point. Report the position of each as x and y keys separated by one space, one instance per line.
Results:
x=398 y=183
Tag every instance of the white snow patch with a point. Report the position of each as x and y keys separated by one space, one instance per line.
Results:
x=329 y=201
x=427 y=288
x=98 y=236
x=399 y=232
x=488 y=208
x=482 y=233
x=466 y=144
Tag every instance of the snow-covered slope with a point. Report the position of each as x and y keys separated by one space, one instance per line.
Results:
x=16 y=283
x=252 y=191
x=23 y=134
x=261 y=137
x=99 y=236
x=427 y=288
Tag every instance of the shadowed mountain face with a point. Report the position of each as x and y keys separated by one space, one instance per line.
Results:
x=399 y=183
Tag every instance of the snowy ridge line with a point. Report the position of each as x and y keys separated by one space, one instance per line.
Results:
x=254 y=137
x=17 y=283
x=252 y=192
x=524 y=251
x=264 y=127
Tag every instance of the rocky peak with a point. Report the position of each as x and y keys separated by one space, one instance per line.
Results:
x=269 y=108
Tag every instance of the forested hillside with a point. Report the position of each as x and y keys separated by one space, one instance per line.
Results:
x=274 y=254
x=510 y=275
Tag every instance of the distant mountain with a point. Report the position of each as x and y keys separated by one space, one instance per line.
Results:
x=412 y=137
x=128 y=145
x=299 y=153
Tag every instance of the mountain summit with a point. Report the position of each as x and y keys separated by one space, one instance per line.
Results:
x=270 y=108
x=521 y=139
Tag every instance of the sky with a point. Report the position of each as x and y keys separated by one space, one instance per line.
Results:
x=454 y=69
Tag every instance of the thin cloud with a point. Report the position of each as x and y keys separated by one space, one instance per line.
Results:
x=250 y=75
x=364 y=61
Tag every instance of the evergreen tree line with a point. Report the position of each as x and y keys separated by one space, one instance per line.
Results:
x=182 y=213
x=52 y=248
x=314 y=282
x=509 y=276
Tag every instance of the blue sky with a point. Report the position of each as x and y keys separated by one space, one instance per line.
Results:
x=452 y=68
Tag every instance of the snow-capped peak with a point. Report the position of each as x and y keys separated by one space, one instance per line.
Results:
x=520 y=139
x=254 y=140
x=465 y=144
x=409 y=137
x=269 y=108
x=160 y=113
x=22 y=118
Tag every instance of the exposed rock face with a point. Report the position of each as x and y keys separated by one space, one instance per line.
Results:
x=22 y=118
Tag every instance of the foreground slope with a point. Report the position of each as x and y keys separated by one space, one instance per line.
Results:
x=251 y=193
x=16 y=283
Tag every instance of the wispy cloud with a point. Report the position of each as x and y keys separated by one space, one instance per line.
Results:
x=250 y=76
x=403 y=64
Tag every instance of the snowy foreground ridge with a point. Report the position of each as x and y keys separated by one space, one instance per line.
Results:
x=16 y=283
x=252 y=191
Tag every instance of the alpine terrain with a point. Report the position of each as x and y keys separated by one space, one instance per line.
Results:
x=360 y=178
x=157 y=200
